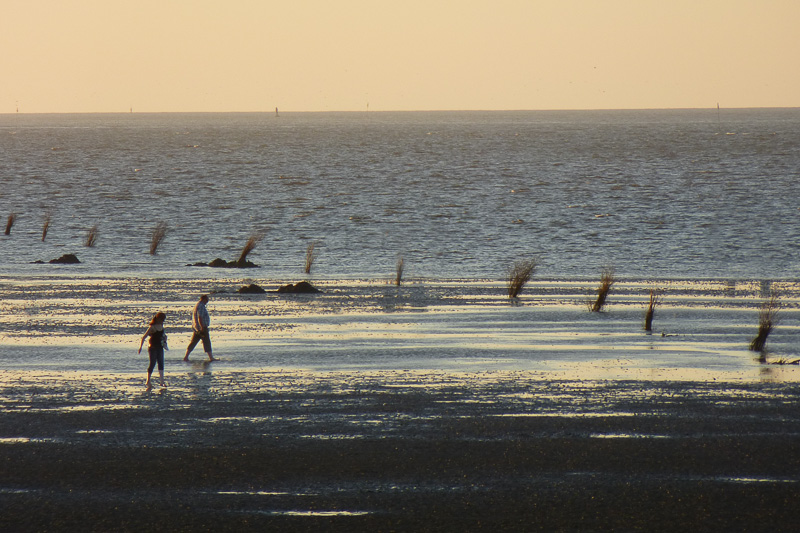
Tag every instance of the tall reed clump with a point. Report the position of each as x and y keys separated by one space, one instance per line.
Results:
x=91 y=237
x=46 y=225
x=606 y=281
x=655 y=299
x=11 y=219
x=400 y=266
x=766 y=322
x=310 y=256
x=249 y=246
x=518 y=275
x=159 y=232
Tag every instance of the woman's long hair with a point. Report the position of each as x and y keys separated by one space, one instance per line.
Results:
x=158 y=318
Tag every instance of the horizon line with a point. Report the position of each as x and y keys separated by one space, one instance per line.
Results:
x=368 y=111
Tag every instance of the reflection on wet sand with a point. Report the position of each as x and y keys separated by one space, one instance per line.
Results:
x=381 y=450
x=702 y=329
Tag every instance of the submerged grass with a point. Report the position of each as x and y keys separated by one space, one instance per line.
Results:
x=11 y=219
x=518 y=275
x=399 y=273
x=310 y=257
x=91 y=237
x=249 y=246
x=655 y=299
x=606 y=281
x=159 y=232
x=766 y=322
x=46 y=225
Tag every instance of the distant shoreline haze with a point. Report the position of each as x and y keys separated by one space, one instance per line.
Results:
x=355 y=111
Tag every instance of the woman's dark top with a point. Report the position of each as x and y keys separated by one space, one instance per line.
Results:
x=155 y=338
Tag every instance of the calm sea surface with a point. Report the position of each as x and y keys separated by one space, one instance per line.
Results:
x=656 y=194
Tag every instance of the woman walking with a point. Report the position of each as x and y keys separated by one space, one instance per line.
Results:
x=158 y=341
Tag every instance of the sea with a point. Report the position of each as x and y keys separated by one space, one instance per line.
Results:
x=421 y=397
x=702 y=205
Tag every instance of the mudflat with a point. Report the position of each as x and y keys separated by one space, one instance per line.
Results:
x=395 y=450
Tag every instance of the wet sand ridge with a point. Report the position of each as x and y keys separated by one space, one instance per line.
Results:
x=397 y=451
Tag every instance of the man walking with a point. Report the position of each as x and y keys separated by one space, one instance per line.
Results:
x=200 y=323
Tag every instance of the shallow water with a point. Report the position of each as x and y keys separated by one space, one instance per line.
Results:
x=701 y=329
x=702 y=204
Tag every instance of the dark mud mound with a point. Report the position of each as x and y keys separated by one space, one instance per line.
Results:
x=251 y=289
x=303 y=287
x=66 y=259
x=221 y=263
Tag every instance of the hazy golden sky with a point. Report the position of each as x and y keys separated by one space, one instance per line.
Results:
x=331 y=55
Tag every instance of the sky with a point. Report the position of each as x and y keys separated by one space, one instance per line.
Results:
x=77 y=56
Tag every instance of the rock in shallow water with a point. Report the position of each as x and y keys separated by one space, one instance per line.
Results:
x=66 y=259
x=221 y=263
x=303 y=287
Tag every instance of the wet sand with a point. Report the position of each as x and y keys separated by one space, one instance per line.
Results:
x=435 y=407
x=394 y=450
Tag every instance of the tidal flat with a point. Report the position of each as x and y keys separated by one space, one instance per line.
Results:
x=440 y=405
x=395 y=450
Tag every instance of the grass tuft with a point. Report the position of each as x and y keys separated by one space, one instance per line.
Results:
x=91 y=237
x=11 y=219
x=46 y=224
x=606 y=281
x=400 y=266
x=310 y=256
x=766 y=322
x=159 y=232
x=655 y=299
x=518 y=275
x=249 y=246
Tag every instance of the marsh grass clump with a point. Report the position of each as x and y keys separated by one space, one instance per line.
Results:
x=242 y=262
x=91 y=237
x=159 y=232
x=399 y=273
x=310 y=257
x=46 y=224
x=766 y=322
x=606 y=281
x=249 y=246
x=518 y=275
x=655 y=299
x=11 y=219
